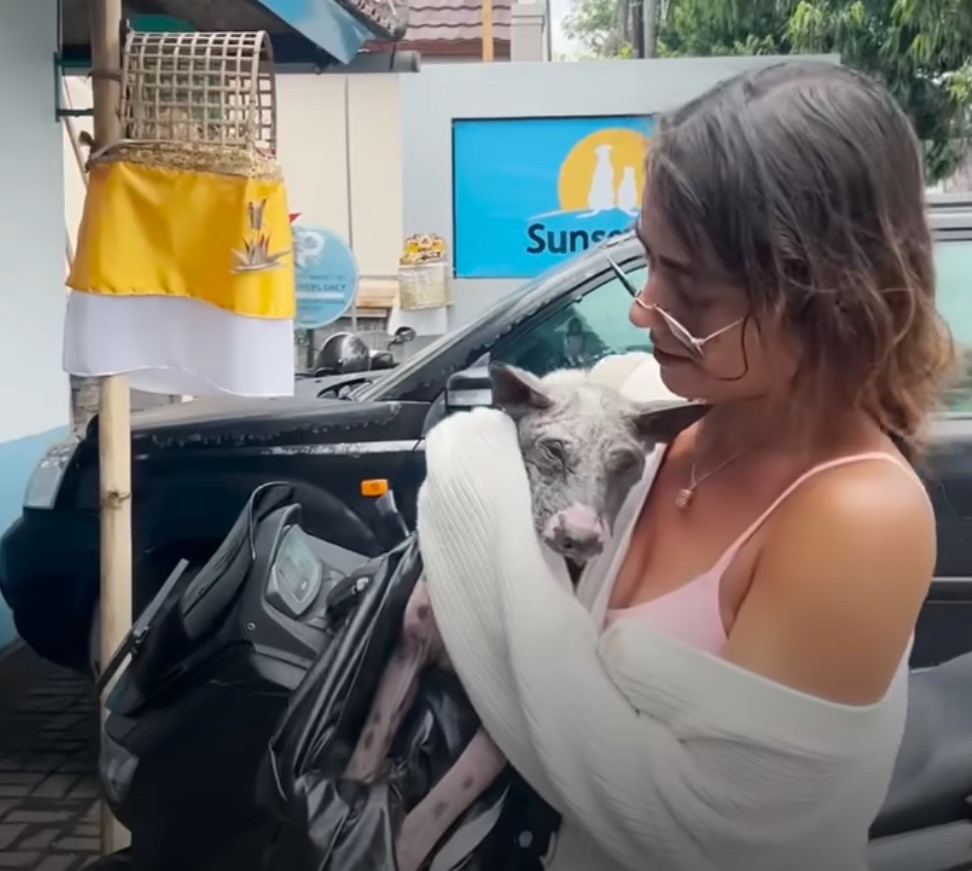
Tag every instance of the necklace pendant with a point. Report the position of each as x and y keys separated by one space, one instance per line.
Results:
x=684 y=498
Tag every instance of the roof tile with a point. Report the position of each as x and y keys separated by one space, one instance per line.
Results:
x=454 y=20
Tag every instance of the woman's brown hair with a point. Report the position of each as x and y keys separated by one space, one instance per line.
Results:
x=804 y=181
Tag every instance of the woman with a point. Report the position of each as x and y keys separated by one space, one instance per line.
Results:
x=727 y=689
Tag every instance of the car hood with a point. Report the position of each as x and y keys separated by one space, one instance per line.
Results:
x=212 y=410
x=222 y=422
x=219 y=410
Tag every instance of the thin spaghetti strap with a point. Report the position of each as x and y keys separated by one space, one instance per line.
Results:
x=733 y=549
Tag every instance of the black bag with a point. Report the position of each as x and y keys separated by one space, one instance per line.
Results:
x=328 y=823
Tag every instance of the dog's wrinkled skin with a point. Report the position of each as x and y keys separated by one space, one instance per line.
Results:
x=584 y=448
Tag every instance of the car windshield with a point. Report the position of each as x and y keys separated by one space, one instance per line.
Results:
x=402 y=371
x=597 y=310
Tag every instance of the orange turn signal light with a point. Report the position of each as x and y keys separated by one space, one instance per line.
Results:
x=374 y=487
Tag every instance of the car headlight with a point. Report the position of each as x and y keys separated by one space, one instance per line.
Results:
x=46 y=478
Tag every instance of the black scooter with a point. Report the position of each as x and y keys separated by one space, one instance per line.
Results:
x=214 y=658
x=210 y=666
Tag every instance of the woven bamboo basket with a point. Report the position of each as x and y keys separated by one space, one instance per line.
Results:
x=199 y=102
x=423 y=285
x=193 y=157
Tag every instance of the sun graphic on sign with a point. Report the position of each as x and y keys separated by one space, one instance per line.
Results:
x=603 y=171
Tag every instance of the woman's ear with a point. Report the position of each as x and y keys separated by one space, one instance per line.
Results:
x=659 y=422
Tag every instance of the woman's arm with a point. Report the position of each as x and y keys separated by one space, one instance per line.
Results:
x=647 y=786
x=532 y=671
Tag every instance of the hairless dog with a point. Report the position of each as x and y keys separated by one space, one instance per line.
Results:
x=584 y=448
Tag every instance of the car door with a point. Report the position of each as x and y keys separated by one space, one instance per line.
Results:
x=945 y=626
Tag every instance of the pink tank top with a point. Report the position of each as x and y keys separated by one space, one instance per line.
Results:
x=691 y=613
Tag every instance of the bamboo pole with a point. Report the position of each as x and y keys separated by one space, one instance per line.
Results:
x=68 y=248
x=487 y=30
x=114 y=423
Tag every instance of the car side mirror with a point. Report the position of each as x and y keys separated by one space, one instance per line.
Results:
x=383 y=360
x=471 y=388
x=402 y=336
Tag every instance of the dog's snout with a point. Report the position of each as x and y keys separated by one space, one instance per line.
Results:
x=583 y=541
x=576 y=532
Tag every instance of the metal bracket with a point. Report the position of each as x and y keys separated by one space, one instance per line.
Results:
x=59 y=110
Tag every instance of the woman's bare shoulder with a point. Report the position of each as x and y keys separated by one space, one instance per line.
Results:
x=839 y=582
x=867 y=515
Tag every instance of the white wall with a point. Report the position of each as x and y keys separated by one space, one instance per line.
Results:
x=77 y=95
x=33 y=388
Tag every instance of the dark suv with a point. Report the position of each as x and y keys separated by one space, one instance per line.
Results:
x=193 y=465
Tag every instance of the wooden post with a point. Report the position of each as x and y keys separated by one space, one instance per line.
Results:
x=487 y=30
x=114 y=423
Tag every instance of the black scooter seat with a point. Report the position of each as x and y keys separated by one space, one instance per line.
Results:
x=933 y=774
x=190 y=607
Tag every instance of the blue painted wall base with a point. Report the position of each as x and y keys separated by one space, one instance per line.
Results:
x=17 y=460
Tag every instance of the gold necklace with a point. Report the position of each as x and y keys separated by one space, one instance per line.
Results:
x=685 y=496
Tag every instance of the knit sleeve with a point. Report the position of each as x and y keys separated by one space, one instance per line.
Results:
x=651 y=793
x=534 y=677
x=615 y=369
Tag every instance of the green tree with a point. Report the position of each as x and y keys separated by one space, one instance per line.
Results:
x=702 y=28
x=598 y=26
x=921 y=49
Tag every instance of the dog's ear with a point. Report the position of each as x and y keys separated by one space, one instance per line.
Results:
x=516 y=391
x=659 y=422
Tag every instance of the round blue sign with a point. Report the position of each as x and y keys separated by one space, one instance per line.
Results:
x=326 y=275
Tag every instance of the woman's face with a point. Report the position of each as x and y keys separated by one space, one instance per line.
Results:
x=746 y=360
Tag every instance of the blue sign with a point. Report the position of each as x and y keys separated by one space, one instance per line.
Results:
x=530 y=192
x=326 y=276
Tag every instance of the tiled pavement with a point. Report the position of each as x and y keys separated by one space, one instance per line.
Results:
x=49 y=808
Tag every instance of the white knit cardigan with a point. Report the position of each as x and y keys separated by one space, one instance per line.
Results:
x=660 y=757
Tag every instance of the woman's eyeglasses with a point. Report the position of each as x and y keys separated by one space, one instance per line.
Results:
x=693 y=344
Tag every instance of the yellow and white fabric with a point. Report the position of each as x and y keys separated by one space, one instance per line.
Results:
x=183 y=280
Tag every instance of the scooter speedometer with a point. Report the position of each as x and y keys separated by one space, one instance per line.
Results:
x=296 y=575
